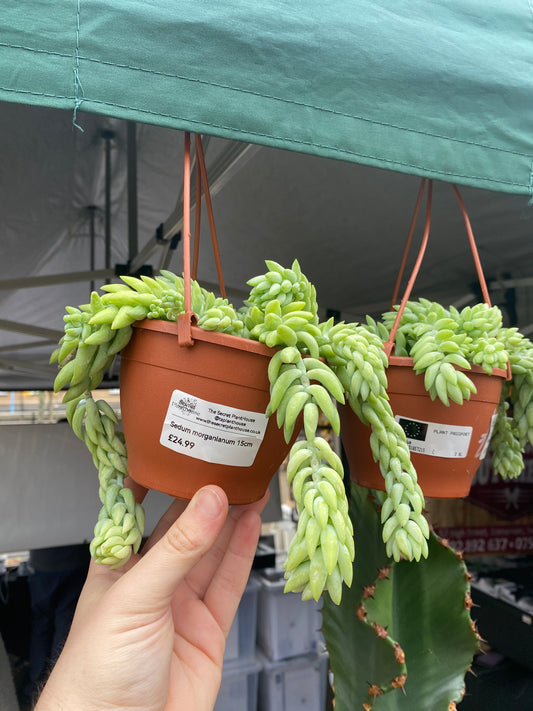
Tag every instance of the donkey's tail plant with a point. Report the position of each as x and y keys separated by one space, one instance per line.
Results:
x=94 y=334
x=445 y=343
x=121 y=520
x=357 y=357
x=282 y=311
x=314 y=366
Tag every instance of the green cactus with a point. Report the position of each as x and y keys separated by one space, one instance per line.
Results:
x=402 y=637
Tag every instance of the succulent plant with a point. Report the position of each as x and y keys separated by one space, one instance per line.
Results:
x=402 y=637
x=445 y=343
x=315 y=364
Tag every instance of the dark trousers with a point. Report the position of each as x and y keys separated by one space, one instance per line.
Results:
x=54 y=596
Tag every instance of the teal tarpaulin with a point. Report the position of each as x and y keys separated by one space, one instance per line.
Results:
x=438 y=89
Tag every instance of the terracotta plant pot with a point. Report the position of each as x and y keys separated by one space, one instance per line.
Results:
x=194 y=415
x=447 y=444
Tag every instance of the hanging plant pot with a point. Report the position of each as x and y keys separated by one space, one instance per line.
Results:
x=195 y=415
x=447 y=440
x=447 y=444
x=192 y=400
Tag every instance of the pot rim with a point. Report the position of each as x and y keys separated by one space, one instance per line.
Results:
x=407 y=361
x=199 y=334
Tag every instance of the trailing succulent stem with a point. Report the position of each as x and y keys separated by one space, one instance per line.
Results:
x=94 y=334
x=120 y=525
x=445 y=343
x=282 y=311
x=321 y=554
x=358 y=359
x=353 y=364
x=316 y=365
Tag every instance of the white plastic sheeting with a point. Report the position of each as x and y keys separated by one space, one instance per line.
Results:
x=49 y=489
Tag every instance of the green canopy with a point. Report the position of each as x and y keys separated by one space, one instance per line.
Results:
x=438 y=89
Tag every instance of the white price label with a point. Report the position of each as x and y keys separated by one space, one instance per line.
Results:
x=214 y=433
x=434 y=439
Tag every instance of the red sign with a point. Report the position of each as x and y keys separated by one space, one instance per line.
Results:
x=510 y=498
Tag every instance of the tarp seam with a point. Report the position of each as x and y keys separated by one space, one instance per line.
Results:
x=333 y=149
x=77 y=83
x=302 y=104
x=37 y=93
x=265 y=96
x=36 y=50
x=247 y=132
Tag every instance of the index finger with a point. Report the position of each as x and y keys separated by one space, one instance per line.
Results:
x=201 y=576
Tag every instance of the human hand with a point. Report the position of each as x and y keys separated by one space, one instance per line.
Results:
x=151 y=635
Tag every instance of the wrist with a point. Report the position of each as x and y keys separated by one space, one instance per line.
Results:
x=57 y=695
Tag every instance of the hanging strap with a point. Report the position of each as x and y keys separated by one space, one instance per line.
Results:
x=389 y=345
x=473 y=247
x=414 y=219
x=187 y=319
x=198 y=217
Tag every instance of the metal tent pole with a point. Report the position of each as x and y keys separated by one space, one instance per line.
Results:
x=230 y=160
x=133 y=245
x=107 y=136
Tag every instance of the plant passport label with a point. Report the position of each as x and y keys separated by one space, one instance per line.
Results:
x=434 y=439
x=214 y=433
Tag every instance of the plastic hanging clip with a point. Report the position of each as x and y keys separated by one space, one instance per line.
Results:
x=185 y=323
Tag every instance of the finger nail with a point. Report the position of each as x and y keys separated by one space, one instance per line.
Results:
x=209 y=502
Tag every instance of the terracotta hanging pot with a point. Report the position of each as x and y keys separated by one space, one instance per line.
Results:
x=446 y=443
x=193 y=401
x=195 y=415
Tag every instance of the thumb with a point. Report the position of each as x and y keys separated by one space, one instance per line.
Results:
x=152 y=581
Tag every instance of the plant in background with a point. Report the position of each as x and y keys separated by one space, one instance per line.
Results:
x=314 y=364
x=445 y=343
x=402 y=637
